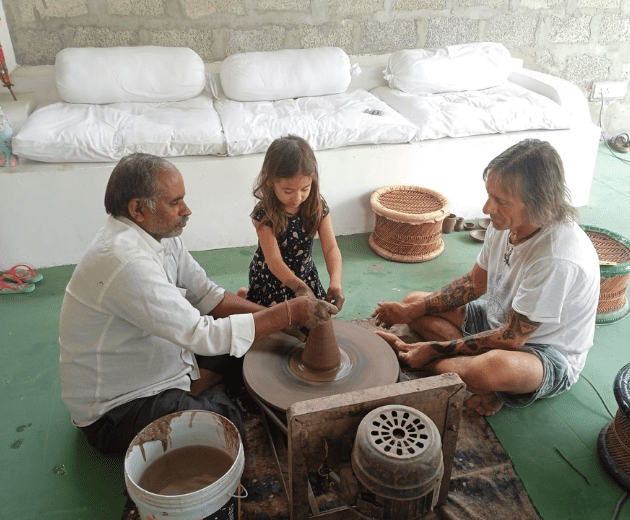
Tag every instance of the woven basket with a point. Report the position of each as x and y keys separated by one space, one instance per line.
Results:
x=618 y=441
x=613 y=443
x=614 y=256
x=408 y=223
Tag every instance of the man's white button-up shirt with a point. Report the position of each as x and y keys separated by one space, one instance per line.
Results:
x=134 y=313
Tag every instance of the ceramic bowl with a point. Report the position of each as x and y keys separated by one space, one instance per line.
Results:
x=478 y=235
x=483 y=223
x=469 y=225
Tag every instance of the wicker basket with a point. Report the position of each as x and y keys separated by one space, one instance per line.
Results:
x=614 y=256
x=408 y=223
x=613 y=443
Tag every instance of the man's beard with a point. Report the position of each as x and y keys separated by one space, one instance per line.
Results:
x=176 y=231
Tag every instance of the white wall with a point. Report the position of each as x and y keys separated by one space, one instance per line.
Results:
x=5 y=40
x=50 y=212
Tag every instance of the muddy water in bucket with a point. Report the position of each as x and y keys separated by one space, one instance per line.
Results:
x=186 y=466
x=186 y=470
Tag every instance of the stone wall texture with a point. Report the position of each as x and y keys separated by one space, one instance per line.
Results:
x=583 y=41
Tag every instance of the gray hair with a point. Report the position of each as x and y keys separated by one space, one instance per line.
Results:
x=533 y=171
x=134 y=177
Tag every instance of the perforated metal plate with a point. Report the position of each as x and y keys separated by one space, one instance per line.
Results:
x=399 y=433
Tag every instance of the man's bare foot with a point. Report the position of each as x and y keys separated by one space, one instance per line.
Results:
x=242 y=292
x=487 y=404
x=394 y=341
x=416 y=355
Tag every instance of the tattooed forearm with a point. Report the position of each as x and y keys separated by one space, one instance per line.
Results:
x=511 y=336
x=444 y=350
x=473 y=344
x=433 y=305
x=468 y=346
x=454 y=295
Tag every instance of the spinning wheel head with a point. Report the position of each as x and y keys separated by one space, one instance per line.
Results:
x=274 y=369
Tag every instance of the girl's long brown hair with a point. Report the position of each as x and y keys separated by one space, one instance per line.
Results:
x=286 y=157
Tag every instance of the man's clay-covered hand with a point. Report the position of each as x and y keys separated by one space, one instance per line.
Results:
x=310 y=312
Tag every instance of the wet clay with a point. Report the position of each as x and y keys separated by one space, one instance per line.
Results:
x=185 y=470
x=302 y=371
x=321 y=351
x=320 y=355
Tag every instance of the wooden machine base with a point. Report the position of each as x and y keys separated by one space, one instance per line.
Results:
x=321 y=432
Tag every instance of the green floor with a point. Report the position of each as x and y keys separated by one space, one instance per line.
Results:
x=50 y=472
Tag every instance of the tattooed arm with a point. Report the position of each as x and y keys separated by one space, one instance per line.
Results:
x=456 y=294
x=510 y=336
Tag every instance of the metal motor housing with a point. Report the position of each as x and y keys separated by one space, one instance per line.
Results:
x=397 y=458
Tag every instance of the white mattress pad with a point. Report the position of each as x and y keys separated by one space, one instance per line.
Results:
x=505 y=108
x=73 y=132
x=333 y=121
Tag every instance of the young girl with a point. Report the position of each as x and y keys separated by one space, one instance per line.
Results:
x=289 y=213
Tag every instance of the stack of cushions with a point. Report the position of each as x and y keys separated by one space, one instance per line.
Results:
x=463 y=90
x=121 y=100
x=302 y=92
x=155 y=100
x=158 y=100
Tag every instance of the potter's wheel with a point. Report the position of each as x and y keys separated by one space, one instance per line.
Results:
x=272 y=373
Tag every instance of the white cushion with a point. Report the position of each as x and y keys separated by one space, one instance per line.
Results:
x=349 y=118
x=128 y=74
x=72 y=132
x=502 y=109
x=289 y=73
x=456 y=68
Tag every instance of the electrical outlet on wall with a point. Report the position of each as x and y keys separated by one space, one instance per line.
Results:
x=609 y=90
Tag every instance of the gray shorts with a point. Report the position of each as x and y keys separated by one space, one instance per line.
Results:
x=555 y=365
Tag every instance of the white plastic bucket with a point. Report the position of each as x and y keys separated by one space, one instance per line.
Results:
x=218 y=501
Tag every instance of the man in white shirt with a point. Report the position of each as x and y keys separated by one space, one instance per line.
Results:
x=140 y=316
x=530 y=337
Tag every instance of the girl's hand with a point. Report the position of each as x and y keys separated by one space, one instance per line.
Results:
x=303 y=290
x=335 y=296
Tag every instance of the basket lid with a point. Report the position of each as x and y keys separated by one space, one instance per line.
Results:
x=410 y=204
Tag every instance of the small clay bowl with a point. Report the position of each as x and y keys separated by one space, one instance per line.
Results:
x=469 y=225
x=483 y=223
x=478 y=235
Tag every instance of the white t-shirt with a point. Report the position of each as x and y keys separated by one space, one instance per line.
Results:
x=553 y=279
x=134 y=313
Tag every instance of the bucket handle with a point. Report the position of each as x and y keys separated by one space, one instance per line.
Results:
x=241 y=486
